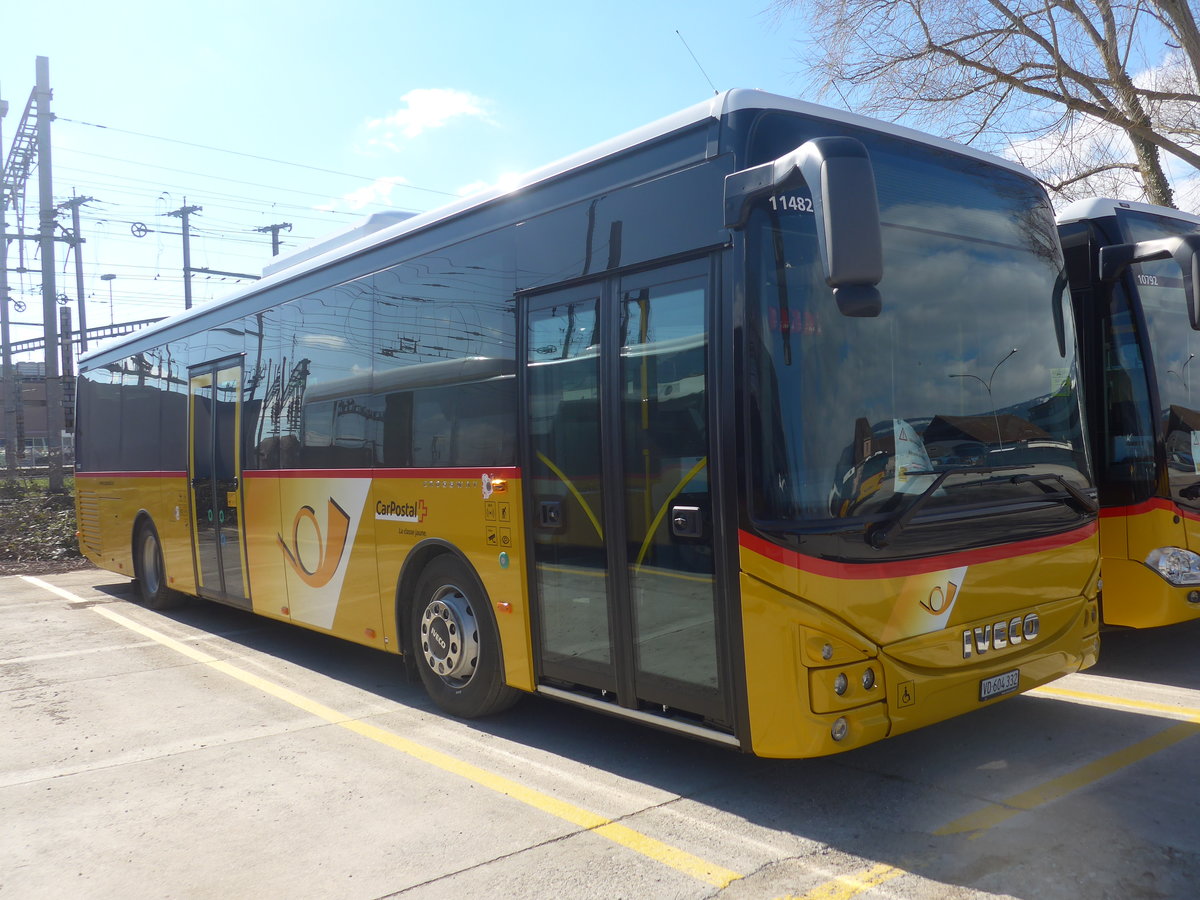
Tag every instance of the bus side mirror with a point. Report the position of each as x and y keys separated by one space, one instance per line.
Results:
x=841 y=179
x=1184 y=249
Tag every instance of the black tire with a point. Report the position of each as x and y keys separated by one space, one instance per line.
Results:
x=455 y=643
x=150 y=572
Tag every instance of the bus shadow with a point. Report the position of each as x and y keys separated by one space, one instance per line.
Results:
x=124 y=589
x=1158 y=655
x=884 y=803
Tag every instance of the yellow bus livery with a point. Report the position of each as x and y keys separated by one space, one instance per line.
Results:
x=1132 y=267
x=759 y=424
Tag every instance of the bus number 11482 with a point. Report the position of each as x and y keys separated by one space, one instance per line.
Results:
x=791 y=203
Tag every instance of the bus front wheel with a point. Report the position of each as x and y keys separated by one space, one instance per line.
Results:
x=149 y=570
x=455 y=642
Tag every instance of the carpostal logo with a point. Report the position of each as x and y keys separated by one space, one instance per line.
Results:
x=393 y=511
x=331 y=546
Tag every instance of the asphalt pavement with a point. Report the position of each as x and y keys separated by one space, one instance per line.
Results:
x=205 y=752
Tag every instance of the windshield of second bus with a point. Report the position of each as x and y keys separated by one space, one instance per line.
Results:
x=1174 y=347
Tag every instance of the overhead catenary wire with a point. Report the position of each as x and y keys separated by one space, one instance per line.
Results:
x=151 y=284
x=269 y=159
x=143 y=165
x=230 y=200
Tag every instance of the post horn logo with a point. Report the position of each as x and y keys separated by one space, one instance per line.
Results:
x=940 y=600
x=332 y=546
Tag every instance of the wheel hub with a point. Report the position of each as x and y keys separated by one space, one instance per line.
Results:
x=449 y=637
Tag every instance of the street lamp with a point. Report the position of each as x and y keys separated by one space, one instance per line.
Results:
x=109 y=279
x=988 y=384
x=1182 y=376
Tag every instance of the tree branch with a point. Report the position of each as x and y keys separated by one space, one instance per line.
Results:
x=1083 y=176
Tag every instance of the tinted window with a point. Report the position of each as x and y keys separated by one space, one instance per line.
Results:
x=1174 y=347
x=98 y=443
x=853 y=417
x=140 y=413
x=444 y=357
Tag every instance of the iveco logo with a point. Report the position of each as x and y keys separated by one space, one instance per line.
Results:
x=998 y=635
x=437 y=637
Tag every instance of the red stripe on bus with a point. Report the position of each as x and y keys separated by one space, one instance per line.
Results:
x=446 y=474
x=1154 y=503
x=905 y=567
x=131 y=474
x=1137 y=509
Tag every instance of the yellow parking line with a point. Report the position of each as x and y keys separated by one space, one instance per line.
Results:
x=848 y=886
x=1107 y=700
x=978 y=822
x=677 y=859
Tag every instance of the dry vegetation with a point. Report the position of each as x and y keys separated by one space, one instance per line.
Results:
x=37 y=529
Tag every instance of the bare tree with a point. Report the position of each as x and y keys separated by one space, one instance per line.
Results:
x=1088 y=94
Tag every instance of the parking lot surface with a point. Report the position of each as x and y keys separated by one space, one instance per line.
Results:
x=205 y=752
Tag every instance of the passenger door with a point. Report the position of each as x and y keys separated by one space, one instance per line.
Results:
x=215 y=475
x=616 y=414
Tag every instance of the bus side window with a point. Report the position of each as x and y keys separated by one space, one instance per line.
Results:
x=397 y=430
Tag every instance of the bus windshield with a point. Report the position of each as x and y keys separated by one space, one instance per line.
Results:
x=971 y=364
x=1174 y=346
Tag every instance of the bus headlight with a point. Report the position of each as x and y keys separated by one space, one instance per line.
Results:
x=1175 y=565
x=840 y=684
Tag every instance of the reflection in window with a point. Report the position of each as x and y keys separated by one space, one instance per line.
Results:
x=1174 y=346
x=565 y=480
x=962 y=368
x=665 y=447
x=1127 y=450
x=563 y=405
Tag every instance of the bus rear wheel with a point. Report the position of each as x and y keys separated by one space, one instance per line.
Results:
x=455 y=642
x=150 y=572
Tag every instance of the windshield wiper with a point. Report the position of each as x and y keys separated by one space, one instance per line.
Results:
x=1082 y=500
x=879 y=534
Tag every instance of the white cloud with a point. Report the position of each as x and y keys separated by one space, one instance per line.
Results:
x=504 y=183
x=378 y=191
x=425 y=109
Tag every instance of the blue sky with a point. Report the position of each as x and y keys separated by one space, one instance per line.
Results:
x=414 y=102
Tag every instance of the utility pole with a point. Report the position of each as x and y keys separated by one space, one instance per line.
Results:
x=77 y=242
x=46 y=215
x=274 y=229
x=182 y=213
x=65 y=328
x=68 y=368
x=6 y=367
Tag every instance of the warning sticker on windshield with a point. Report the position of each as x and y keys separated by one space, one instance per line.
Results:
x=913 y=467
x=1060 y=382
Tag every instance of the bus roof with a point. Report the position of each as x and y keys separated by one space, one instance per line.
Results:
x=1099 y=207
x=368 y=234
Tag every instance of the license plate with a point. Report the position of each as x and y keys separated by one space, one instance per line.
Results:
x=999 y=685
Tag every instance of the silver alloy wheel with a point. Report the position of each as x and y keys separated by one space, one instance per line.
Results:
x=151 y=574
x=450 y=636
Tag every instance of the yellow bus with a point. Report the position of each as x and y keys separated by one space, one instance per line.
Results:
x=757 y=424
x=1131 y=271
